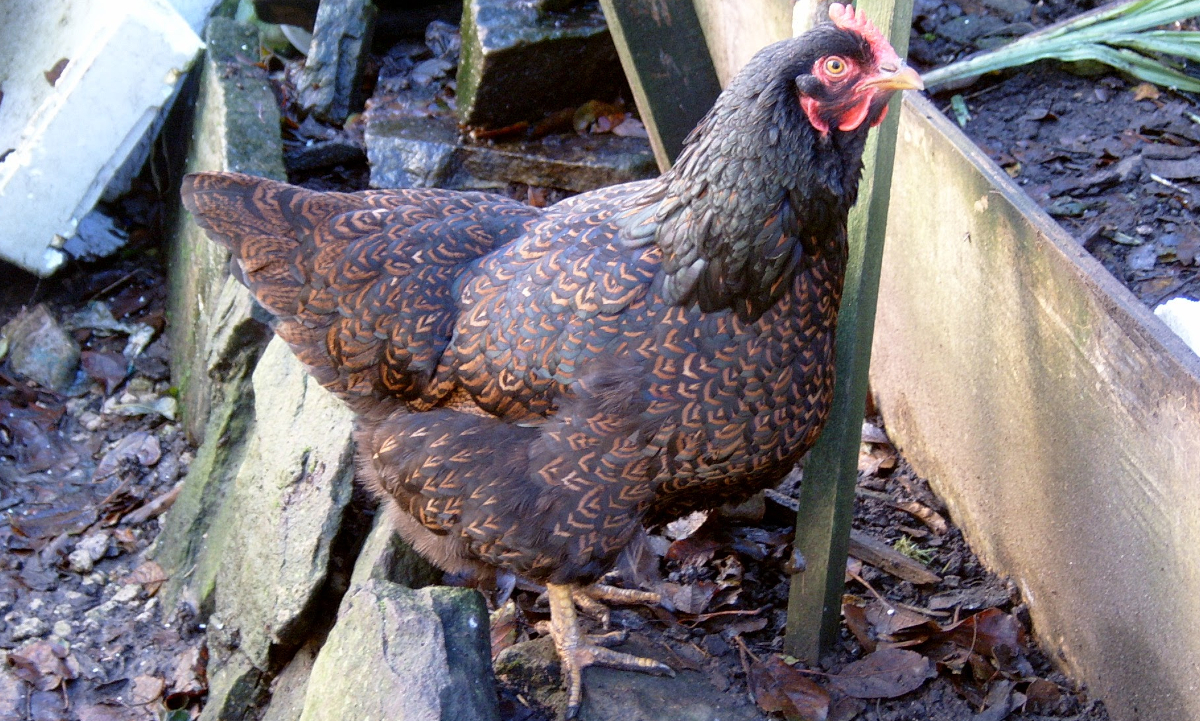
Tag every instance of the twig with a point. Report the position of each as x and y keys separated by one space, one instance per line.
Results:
x=870 y=588
x=925 y=515
x=782 y=499
x=742 y=653
x=886 y=558
x=116 y=283
x=153 y=508
x=709 y=616
x=921 y=512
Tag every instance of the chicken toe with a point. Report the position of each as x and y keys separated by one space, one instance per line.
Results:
x=576 y=651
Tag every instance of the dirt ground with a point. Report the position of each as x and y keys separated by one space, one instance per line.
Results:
x=83 y=478
x=1113 y=160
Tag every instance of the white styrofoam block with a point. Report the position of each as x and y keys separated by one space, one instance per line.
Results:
x=1182 y=315
x=67 y=140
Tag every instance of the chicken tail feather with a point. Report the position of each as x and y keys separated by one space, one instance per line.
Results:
x=361 y=284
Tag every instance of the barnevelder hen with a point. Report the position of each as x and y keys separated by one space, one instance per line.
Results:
x=534 y=386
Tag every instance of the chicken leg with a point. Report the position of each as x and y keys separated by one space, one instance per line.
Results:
x=576 y=651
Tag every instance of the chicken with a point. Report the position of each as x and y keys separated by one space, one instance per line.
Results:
x=535 y=386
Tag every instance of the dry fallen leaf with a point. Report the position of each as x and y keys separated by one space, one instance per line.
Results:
x=891 y=620
x=985 y=631
x=103 y=711
x=856 y=621
x=692 y=552
x=150 y=575
x=504 y=627
x=691 y=598
x=1145 y=91
x=189 y=680
x=1042 y=696
x=681 y=528
x=887 y=673
x=140 y=446
x=631 y=128
x=146 y=689
x=107 y=367
x=42 y=664
x=779 y=688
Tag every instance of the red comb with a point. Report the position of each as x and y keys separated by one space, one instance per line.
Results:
x=847 y=18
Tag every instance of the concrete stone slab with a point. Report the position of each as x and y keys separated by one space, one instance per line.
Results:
x=110 y=67
x=420 y=152
x=1058 y=418
x=518 y=64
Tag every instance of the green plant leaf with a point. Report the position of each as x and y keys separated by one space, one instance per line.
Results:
x=1117 y=35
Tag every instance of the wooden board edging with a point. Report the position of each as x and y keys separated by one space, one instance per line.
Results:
x=1058 y=418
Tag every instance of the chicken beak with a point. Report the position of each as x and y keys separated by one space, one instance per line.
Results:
x=903 y=78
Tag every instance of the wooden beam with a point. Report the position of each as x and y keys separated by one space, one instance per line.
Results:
x=1053 y=413
x=665 y=57
x=831 y=471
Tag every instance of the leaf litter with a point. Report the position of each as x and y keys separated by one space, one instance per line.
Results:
x=82 y=634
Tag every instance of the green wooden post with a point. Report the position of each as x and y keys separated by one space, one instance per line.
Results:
x=666 y=60
x=831 y=471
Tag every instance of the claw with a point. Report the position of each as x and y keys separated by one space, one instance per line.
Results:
x=576 y=651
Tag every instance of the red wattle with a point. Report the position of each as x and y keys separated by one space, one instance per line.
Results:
x=812 y=109
x=855 y=116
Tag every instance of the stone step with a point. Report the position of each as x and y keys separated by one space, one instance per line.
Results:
x=419 y=152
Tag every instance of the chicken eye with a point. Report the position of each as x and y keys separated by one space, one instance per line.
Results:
x=835 y=66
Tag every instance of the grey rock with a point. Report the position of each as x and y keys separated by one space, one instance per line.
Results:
x=80 y=561
x=518 y=64
x=12 y=694
x=610 y=695
x=426 y=152
x=396 y=653
x=968 y=28
x=412 y=153
x=235 y=127
x=89 y=550
x=40 y=350
x=269 y=548
x=1142 y=257
x=291 y=685
x=61 y=629
x=1011 y=9
x=228 y=342
x=317 y=154
x=29 y=627
x=571 y=162
x=329 y=87
x=444 y=40
x=387 y=557
x=97 y=236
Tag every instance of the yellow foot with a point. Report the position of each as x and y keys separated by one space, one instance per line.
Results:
x=589 y=598
x=576 y=651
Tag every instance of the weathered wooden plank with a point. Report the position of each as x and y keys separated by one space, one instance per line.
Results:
x=1058 y=418
x=831 y=471
x=662 y=49
x=734 y=31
